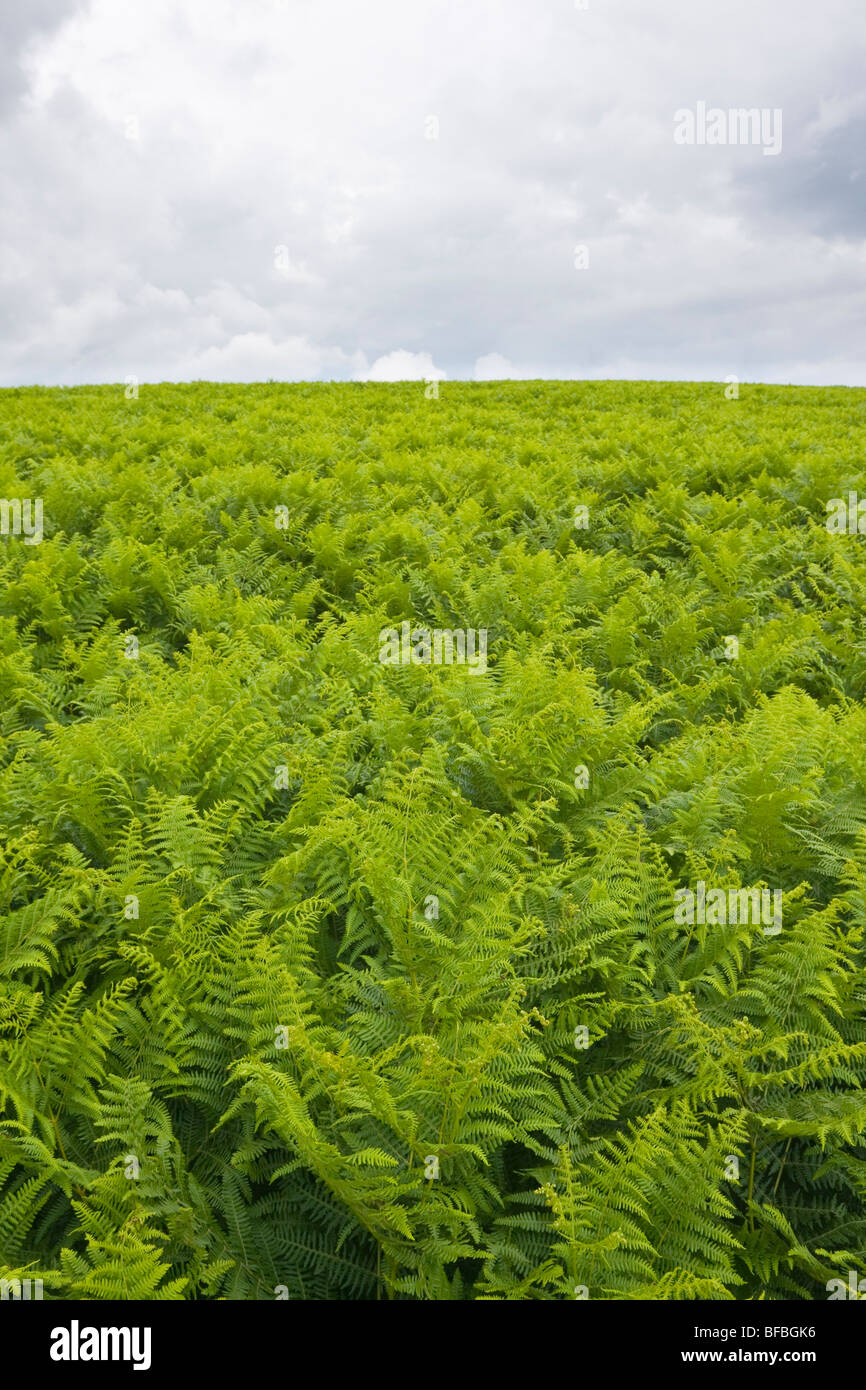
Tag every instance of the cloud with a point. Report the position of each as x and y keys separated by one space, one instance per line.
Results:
x=194 y=186
x=402 y=366
x=493 y=367
x=20 y=27
x=256 y=357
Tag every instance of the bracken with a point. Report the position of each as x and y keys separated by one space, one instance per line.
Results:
x=332 y=979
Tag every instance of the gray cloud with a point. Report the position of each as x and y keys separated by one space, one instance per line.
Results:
x=823 y=189
x=204 y=188
x=20 y=26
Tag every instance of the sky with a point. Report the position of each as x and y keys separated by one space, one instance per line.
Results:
x=244 y=190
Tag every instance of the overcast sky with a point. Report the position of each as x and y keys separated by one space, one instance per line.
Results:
x=303 y=189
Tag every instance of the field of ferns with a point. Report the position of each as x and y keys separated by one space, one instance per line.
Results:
x=433 y=842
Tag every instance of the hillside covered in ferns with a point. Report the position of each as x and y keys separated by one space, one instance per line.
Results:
x=328 y=978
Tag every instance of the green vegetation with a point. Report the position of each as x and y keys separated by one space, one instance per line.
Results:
x=283 y=928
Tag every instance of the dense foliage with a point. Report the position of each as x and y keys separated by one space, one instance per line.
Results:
x=284 y=930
